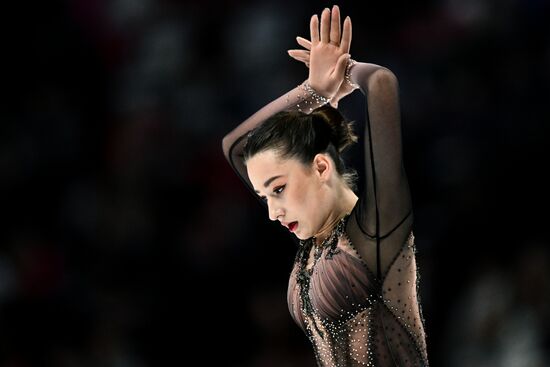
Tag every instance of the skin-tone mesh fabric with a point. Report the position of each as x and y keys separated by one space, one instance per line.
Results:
x=356 y=298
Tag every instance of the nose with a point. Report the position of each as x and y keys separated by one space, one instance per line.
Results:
x=274 y=211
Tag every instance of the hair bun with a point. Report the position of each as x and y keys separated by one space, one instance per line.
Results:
x=341 y=131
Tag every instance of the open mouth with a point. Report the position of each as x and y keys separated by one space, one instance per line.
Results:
x=292 y=226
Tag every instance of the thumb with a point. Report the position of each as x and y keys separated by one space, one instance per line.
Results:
x=341 y=65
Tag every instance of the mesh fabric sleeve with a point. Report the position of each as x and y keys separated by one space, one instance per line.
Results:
x=382 y=218
x=380 y=226
x=297 y=99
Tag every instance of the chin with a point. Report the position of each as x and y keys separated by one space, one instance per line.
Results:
x=301 y=236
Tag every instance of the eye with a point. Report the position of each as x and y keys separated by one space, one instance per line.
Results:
x=279 y=189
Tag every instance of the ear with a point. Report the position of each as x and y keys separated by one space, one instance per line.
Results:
x=322 y=166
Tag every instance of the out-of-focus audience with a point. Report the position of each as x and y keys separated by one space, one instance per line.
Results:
x=128 y=241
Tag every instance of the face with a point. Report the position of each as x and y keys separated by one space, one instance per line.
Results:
x=292 y=191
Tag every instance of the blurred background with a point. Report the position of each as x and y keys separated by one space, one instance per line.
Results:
x=127 y=240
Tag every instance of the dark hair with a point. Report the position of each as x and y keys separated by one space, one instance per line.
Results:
x=295 y=134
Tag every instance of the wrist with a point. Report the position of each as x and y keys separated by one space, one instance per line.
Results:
x=313 y=93
x=347 y=75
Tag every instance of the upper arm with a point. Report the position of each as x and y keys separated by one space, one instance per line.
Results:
x=386 y=194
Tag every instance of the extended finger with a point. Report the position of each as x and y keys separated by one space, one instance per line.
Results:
x=325 y=25
x=335 y=25
x=301 y=55
x=346 y=36
x=304 y=43
x=314 y=29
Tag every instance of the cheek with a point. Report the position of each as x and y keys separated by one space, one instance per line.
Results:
x=307 y=204
x=298 y=198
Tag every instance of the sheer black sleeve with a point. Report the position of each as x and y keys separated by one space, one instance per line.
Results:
x=382 y=219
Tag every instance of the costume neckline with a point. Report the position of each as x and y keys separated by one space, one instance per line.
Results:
x=334 y=234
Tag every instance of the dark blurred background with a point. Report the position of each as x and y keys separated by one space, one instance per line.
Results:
x=127 y=240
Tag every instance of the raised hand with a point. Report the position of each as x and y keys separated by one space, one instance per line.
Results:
x=328 y=52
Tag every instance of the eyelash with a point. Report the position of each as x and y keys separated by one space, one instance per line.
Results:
x=276 y=191
x=279 y=188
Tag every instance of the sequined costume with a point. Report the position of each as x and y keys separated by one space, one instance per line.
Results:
x=356 y=294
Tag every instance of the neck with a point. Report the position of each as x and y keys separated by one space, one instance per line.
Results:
x=341 y=209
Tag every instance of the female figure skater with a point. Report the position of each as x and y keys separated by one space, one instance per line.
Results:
x=353 y=287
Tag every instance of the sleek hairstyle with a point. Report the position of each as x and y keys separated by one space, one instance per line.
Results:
x=295 y=134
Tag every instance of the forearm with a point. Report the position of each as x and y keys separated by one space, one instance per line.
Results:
x=297 y=99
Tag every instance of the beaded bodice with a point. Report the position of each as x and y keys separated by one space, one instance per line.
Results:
x=351 y=317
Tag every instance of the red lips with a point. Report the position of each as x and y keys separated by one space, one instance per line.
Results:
x=290 y=225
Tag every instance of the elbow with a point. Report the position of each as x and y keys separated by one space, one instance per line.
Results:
x=383 y=78
x=226 y=145
x=366 y=75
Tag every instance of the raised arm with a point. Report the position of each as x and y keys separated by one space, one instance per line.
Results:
x=383 y=215
x=386 y=201
x=325 y=77
x=233 y=143
x=386 y=192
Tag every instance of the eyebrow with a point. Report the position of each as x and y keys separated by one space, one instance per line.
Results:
x=269 y=181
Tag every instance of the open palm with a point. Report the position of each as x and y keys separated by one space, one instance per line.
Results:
x=327 y=54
